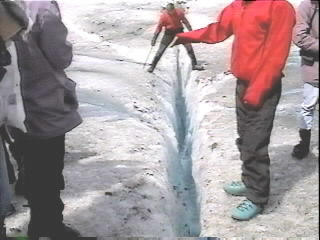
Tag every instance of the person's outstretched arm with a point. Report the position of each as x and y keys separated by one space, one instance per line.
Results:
x=186 y=22
x=213 y=33
x=158 y=31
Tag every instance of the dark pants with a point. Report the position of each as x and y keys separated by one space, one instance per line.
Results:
x=43 y=161
x=6 y=139
x=254 y=129
x=164 y=44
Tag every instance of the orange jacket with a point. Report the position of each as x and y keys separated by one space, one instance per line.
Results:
x=262 y=32
x=171 y=22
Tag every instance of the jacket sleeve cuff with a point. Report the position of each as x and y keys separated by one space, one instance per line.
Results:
x=253 y=97
x=182 y=38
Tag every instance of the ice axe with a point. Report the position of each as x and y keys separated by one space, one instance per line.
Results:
x=145 y=63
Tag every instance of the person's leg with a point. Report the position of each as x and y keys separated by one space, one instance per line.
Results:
x=11 y=173
x=193 y=58
x=5 y=141
x=310 y=99
x=254 y=149
x=238 y=188
x=5 y=193
x=15 y=148
x=44 y=162
x=241 y=113
x=3 y=233
x=164 y=44
x=254 y=128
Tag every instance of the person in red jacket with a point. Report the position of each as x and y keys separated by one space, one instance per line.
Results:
x=172 y=19
x=262 y=32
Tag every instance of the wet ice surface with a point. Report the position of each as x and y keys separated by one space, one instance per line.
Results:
x=122 y=171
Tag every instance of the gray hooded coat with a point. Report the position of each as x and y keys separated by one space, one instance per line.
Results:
x=44 y=103
x=306 y=37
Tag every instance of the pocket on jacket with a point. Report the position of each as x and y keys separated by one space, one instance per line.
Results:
x=308 y=58
x=70 y=96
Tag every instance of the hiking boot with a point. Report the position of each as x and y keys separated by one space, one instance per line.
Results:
x=150 y=69
x=153 y=64
x=301 y=150
x=246 y=211
x=235 y=188
x=60 y=232
x=197 y=67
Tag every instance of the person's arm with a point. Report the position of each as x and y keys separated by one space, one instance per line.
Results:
x=186 y=22
x=276 y=52
x=213 y=33
x=302 y=37
x=158 y=31
x=53 y=40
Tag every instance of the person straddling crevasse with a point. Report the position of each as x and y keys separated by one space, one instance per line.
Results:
x=172 y=19
x=306 y=37
x=262 y=32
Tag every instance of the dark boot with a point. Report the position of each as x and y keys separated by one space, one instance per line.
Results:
x=46 y=214
x=55 y=232
x=197 y=67
x=301 y=150
x=194 y=62
x=153 y=64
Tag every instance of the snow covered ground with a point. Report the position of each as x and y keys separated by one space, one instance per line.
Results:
x=154 y=150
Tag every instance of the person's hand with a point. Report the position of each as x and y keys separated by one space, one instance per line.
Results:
x=173 y=43
x=251 y=103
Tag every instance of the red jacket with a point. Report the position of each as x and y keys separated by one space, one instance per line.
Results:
x=262 y=32
x=171 y=22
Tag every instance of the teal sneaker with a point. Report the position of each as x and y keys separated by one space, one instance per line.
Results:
x=235 y=188
x=246 y=211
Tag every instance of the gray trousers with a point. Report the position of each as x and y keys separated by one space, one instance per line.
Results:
x=254 y=129
x=310 y=100
x=5 y=191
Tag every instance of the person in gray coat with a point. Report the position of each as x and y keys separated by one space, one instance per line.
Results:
x=306 y=37
x=46 y=107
